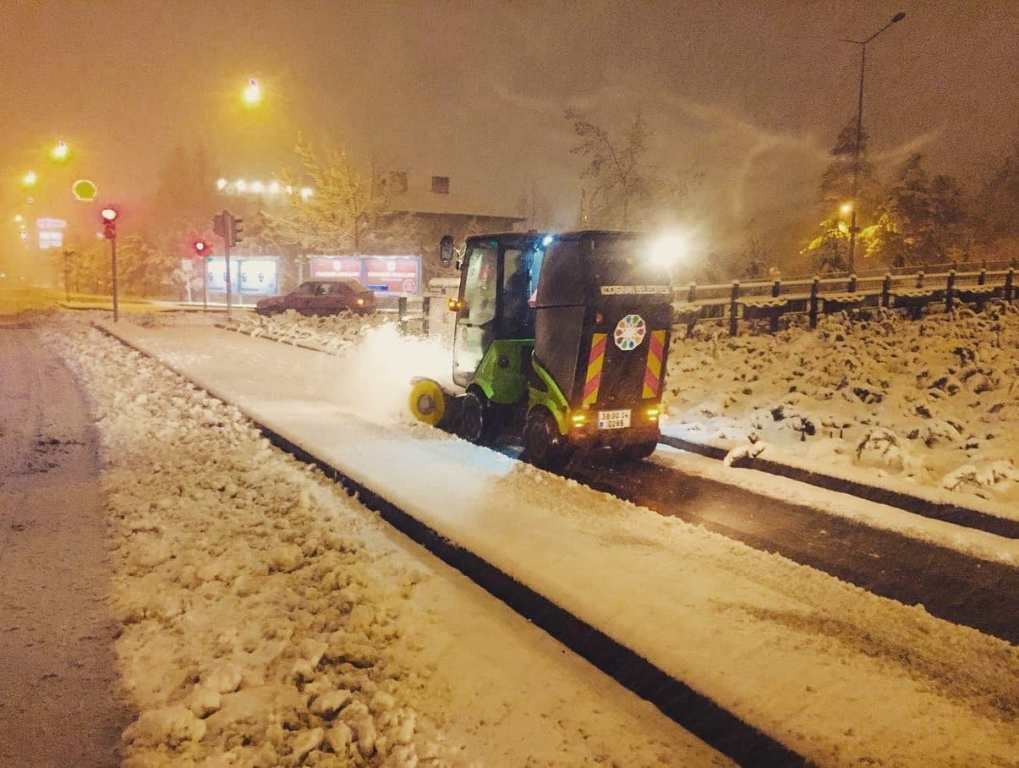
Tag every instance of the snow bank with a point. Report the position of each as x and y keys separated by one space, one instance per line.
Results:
x=934 y=402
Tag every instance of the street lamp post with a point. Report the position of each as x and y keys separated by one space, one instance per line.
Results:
x=859 y=135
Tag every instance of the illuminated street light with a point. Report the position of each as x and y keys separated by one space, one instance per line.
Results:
x=241 y=185
x=846 y=208
x=257 y=187
x=306 y=193
x=221 y=184
x=29 y=179
x=60 y=151
x=18 y=218
x=274 y=187
x=252 y=94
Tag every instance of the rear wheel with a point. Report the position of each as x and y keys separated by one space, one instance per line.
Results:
x=545 y=446
x=639 y=451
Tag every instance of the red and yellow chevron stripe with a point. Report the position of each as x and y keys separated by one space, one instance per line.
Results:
x=653 y=371
x=594 y=366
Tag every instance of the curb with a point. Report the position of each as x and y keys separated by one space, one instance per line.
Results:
x=947 y=512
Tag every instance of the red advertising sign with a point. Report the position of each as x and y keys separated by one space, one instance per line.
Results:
x=394 y=274
x=336 y=266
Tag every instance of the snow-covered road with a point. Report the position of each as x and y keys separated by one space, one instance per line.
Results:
x=835 y=673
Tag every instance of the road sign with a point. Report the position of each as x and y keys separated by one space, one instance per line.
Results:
x=84 y=190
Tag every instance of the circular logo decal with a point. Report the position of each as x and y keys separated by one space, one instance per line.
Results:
x=630 y=332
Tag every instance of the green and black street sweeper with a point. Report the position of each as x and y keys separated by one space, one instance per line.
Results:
x=559 y=339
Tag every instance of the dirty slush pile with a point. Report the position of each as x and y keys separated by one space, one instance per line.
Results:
x=934 y=401
x=259 y=629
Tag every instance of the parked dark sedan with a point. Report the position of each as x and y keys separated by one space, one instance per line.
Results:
x=321 y=297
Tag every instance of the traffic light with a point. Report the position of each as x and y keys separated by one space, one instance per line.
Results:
x=109 y=218
x=236 y=229
x=201 y=248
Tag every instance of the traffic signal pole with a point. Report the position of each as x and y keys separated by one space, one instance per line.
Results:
x=226 y=253
x=113 y=259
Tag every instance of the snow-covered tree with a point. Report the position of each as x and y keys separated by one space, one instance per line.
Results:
x=921 y=219
x=621 y=190
x=345 y=210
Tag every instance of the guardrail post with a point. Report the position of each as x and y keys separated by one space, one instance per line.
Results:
x=426 y=305
x=886 y=291
x=1010 y=285
x=950 y=291
x=776 y=289
x=734 y=309
x=919 y=279
x=401 y=304
x=691 y=294
x=852 y=283
x=982 y=277
x=815 y=288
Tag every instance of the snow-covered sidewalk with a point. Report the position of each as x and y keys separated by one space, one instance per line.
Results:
x=270 y=620
x=837 y=674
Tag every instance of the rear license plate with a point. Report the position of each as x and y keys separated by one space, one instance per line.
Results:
x=613 y=419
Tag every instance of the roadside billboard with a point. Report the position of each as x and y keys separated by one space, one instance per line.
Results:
x=383 y=274
x=249 y=275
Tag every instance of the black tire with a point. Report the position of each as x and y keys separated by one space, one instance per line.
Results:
x=544 y=446
x=639 y=451
x=478 y=419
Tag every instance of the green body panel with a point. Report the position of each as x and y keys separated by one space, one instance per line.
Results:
x=551 y=398
x=505 y=384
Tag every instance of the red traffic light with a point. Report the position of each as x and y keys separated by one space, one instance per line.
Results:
x=201 y=247
x=109 y=214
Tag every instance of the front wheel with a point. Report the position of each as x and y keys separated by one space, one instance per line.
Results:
x=546 y=447
x=480 y=420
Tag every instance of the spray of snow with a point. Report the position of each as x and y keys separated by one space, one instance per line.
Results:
x=377 y=372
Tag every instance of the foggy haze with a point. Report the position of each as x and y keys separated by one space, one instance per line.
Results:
x=752 y=95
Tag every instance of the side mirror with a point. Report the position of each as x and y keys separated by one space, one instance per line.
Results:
x=446 y=250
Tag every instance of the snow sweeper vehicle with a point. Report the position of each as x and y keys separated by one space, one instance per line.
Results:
x=559 y=339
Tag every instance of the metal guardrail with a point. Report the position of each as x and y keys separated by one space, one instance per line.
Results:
x=818 y=296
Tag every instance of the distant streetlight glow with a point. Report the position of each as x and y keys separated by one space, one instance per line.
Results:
x=257 y=187
x=241 y=185
x=846 y=208
x=18 y=218
x=252 y=95
x=306 y=193
x=274 y=188
x=60 y=151
x=221 y=184
x=29 y=179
